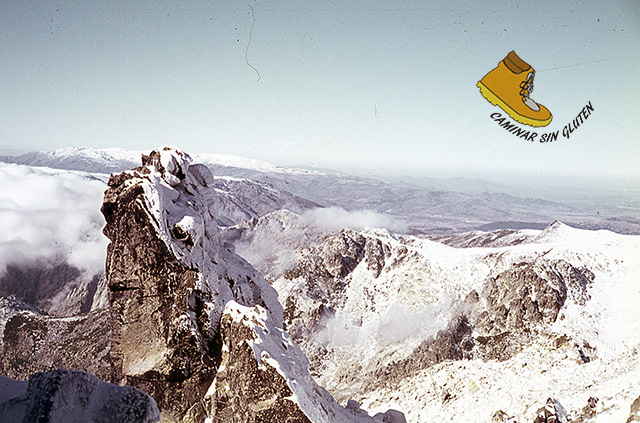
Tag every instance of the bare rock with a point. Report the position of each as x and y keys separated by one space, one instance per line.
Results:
x=34 y=342
x=245 y=392
x=63 y=396
x=634 y=415
x=522 y=300
x=153 y=306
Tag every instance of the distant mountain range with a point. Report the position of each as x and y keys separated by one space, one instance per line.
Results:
x=421 y=209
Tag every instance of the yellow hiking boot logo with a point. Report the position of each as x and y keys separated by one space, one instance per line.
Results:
x=509 y=86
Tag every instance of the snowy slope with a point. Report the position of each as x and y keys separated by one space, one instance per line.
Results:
x=360 y=301
x=550 y=367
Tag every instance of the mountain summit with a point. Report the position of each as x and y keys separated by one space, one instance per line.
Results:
x=193 y=324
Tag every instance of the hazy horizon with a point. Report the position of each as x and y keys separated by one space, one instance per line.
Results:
x=609 y=191
x=354 y=86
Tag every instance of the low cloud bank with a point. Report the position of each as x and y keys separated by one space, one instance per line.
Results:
x=51 y=217
x=395 y=325
x=336 y=218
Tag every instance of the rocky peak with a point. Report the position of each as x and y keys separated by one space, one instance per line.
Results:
x=529 y=294
x=169 y=279
x=172 y=282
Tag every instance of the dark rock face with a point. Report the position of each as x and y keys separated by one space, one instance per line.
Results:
x=34 y=342
x=62 y=396
x=519 y=298
x=454 y=343
x=634 y=415
x=244 y=392
x=57 y=290
x=150 y=293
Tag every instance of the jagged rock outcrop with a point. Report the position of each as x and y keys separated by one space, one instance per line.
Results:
x=31 y=341
x=63 y=396
x=174 y=285
x=325 y=269
x=245 y=389
x=521 y=299
x=548 y=413
x=164 y=310
x=634 y=415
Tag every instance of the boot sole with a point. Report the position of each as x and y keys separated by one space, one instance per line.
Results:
x=495 y=100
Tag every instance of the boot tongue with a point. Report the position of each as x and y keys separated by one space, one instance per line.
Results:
x=515 y=63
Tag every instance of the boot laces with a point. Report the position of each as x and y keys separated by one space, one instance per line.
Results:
x=526 y=87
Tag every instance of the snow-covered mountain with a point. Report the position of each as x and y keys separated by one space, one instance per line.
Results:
x=487 y=325
x=192 y=323
x=109 y=160
x=446 y=333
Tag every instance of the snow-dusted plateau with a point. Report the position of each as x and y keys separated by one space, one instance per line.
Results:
x=210 y=288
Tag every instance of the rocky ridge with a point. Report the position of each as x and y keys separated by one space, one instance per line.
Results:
x=32 y=341
x=183 y=304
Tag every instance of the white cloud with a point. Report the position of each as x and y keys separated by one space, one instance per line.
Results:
x=51 y=216
x=395 y=325
x=336 y=218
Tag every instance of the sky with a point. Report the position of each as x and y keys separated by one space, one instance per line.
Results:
x=367 y=87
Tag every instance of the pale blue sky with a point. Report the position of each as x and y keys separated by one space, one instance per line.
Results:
x=358 y=86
